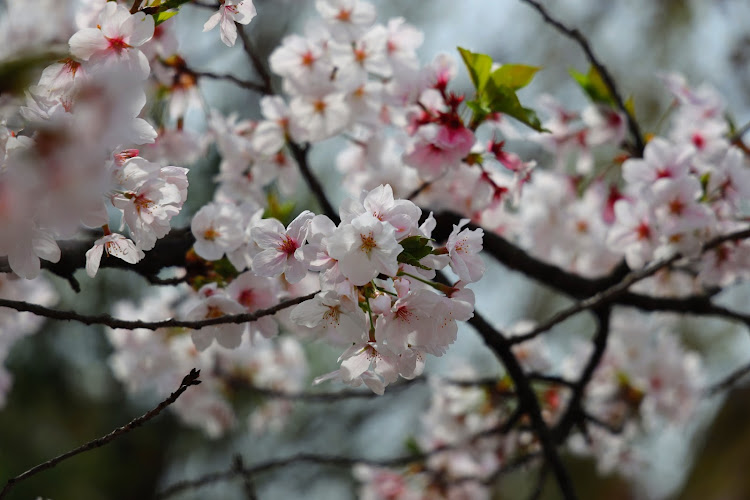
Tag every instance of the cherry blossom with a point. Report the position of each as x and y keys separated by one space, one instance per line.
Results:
x=113 y=244
x=230 y=12
x=115 y=40
x=280 y=248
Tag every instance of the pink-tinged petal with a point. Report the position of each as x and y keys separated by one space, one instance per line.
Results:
x=298 y=227
x=245 y=12
x=309 y=313
x=139 y=63
x=355 y=366
x=268 y=233
x=141 y=132
x=93 y=259
x=45 y=246
x=228 y=30
x=142 y=28
x=212 y=21
x=229 y=336
x=207 y=249
x=23 y=262
x=112 y=18
x=334 y=375
x=87 y=42
x=269 y=263
x=373 y=383
x=267 y=326
x=201 y=338
x=295 y=270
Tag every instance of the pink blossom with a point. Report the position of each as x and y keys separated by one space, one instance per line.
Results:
x=230 y=12
x=281 y=249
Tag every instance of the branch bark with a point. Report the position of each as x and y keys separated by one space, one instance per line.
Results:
x=189 y=380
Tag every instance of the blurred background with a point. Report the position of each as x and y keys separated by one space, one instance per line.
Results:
x=64 y=393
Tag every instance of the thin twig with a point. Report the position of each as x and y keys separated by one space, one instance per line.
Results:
x=107 y=320
x=728 y=382
x=258 y=65
x=620 y=288
x=579 y=38
x=190 y=379
x=574 y=411
x=255 y=87
x=247 y=479
x=300 y=156
x=527 y=400
x=326 y=460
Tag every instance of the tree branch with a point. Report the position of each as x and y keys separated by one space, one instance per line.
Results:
x=168 y=252
x=574 y=411
x=581 y=40
x=190 y=379
x=300 y=155
x=107 y=320
x=334 y=461
x=610 y=294
x=527 y=400
x=255 y=87
x=728 y=382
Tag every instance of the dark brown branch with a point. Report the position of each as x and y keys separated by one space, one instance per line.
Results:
x=729 y=381
x=527 y=401
x=255 y=87
x=609 y=81
x=333 y=461
x=614 y=292
x=107 y=320
x=247 y=480
x=574 y=412
x=168 y=252
x=257 y=63
x=516 y=258
x=300 y=155
x=190 y=379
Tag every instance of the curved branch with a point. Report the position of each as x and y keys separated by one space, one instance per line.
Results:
x=255 y=87
x=168 y=252
x=574 y=412
x=581 y=40
x=614 y=292
x=336 y=461
x=190 y=379
x=107 y=320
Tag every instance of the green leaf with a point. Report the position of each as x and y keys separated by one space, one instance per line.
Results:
x=160 y=17
x=496 y=90
x=593 y=85
x=278 y=209
x=414 y=249
x=479 y=66
x=515 y=76
x=503 y=99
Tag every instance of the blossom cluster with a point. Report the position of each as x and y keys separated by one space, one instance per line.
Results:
x=70 y=156
x=375 y=270
x=156 y=361
x=646 y=383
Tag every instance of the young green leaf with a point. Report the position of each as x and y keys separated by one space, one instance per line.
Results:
x=479 y=66
x=515 y=76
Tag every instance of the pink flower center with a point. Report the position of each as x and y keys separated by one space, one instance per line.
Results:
x=117 y=44
x=288 y=246
x=246 y=298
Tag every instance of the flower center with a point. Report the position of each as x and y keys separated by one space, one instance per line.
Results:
x=368 y=243
x=288 y=246
x=117 y=44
